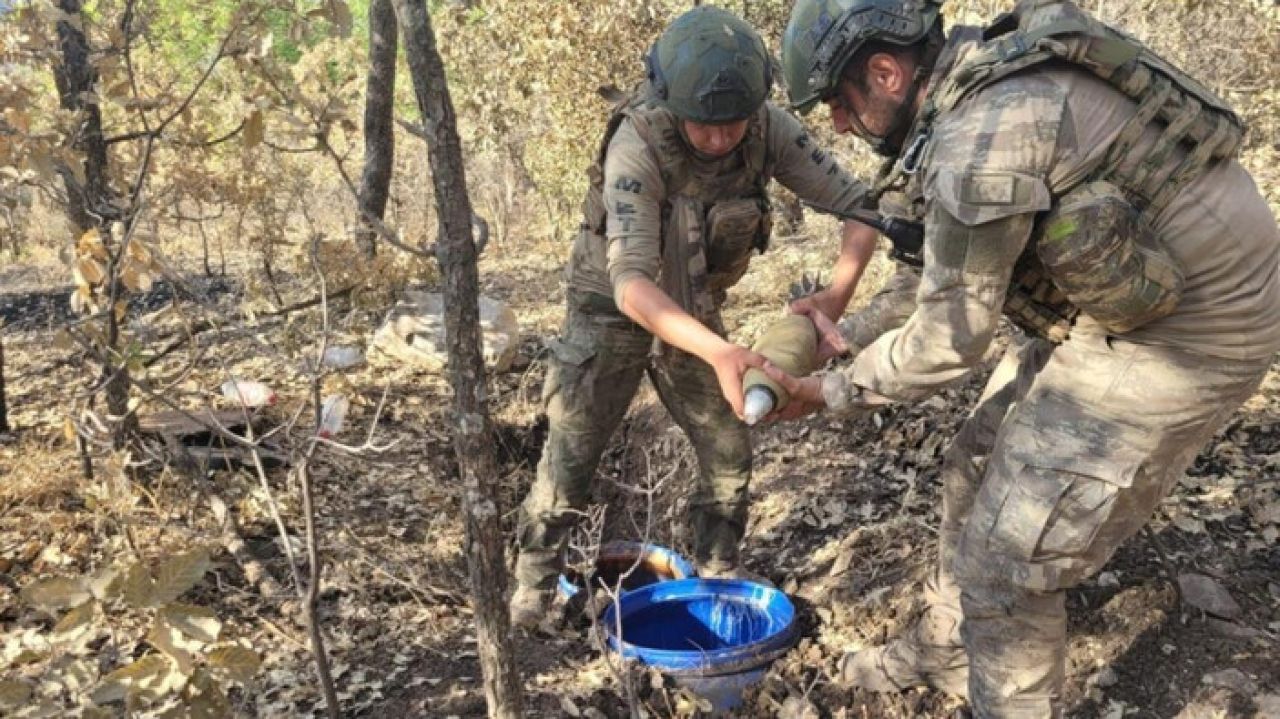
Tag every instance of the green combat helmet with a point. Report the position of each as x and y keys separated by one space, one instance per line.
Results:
x=710 y=67
x=823 y=35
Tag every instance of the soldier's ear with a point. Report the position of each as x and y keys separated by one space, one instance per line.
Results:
x=888 y=73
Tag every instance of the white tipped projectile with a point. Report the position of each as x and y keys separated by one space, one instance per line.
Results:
x=756 y=403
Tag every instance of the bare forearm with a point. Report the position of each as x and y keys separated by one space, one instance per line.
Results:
x=652 y=309
x=857 y=245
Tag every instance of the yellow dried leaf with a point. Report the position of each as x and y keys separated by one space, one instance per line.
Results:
x=205 y=699
x=82 y=298
x=90 y=243
x=178 y=574
x=138 y=586
x=74 y=622
x=115 y=685
x=89 y=269
x=235 y=663
x=171 y=642
x=199 y=623
x=13 y=694
x=140 y=252
x=28 y=656
x=106 y=584
x=69 y=430
x=56 y=593
x=129 y=277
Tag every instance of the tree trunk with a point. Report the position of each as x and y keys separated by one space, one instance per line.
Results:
x=477 y=464
x=379 y=130
x=4 y=404
x=89 y=196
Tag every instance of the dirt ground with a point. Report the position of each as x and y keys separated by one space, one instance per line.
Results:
x=843 y=518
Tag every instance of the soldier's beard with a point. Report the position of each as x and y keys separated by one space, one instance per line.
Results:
x=894 y=115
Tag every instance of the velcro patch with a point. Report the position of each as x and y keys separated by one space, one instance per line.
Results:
x=988 y=190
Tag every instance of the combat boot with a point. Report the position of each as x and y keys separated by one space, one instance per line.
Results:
x=908 y=661
x=535 y=579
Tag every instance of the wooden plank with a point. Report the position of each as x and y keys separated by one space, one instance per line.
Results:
x=176 y=424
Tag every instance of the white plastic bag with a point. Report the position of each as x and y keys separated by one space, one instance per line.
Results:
x=332 y=413
x=249 y=393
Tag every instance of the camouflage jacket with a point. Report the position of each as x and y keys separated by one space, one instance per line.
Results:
x=999 y=159
x=635 y=195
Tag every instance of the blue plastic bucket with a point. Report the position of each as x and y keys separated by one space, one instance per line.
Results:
x=713 y=636
x=648 y=563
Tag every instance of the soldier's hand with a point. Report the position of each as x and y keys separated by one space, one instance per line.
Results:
x=830 y=339
x=822 y=302
x=823 y=309
x=805 y=394
x=729 y=364
x=793 y=411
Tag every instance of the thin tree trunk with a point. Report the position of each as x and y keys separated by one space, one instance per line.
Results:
x=89 y=194
x=477 y=464
x=204 y=237
x=4 y=405
x=379 y=130
x=88 y=197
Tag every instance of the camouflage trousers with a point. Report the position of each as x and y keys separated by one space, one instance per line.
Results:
x=594 y=371
x=1067 y=454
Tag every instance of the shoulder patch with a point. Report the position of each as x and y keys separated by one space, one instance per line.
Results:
x=978 y=197
x=988 y=189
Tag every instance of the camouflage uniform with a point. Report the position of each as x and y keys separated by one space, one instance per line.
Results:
x=1074 y=443
x=596 y=365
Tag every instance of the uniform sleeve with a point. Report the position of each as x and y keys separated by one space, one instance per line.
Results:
x=808 y=170
x=890 y=308
x=633 y=192
x=983 y=188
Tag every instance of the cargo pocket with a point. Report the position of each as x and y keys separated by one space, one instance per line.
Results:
x=1049 y=511
x=734 y=229
x=565 y=386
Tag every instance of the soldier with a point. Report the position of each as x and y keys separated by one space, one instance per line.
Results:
x=677 y=205
x=1071 y=178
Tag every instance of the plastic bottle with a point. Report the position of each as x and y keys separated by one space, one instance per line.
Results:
x=332 y=413
x=791 y=344
x=340 y=358
x=248 y=393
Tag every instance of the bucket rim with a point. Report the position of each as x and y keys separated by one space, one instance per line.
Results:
x=680 y=567
x=714 y=662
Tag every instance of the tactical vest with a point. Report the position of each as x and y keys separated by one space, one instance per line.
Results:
x=1185 y=113
x=711 y=221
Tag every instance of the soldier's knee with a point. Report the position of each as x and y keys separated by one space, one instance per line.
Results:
x=724 y=448
x=1038 y=529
